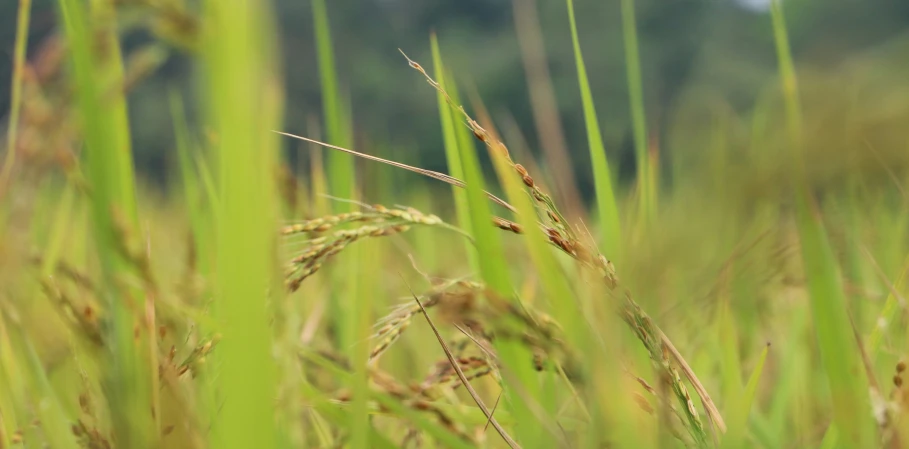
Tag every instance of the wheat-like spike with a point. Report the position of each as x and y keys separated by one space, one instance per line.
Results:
x=388 y=335
x=393 y=325
x=445 y=376
x=375 y=221
x=85 y=316
x=409 y=397
x=322 y=224
x=496 y=146
x=563 y=237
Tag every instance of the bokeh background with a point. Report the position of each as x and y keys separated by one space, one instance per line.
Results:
x=698 y=57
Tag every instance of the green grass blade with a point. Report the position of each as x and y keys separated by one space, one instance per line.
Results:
x=494 y=272
x=646 y=179
x=489 y=247
x=567 y=309
x=738 y=422
x=839 y=352
x=340 y=166
x=395 y=406
x=244 y=106
x=787 y=76
x=555 y=286
x=109 y=170
x=362 y=277
x=61 y=224
x=196 y=188
x=22 y=21
x=832 y=326
x=888 y=312
x=208 y=180
x=452 y=156
x=13 y=389
x=831 y=438
x=188 y=174
x=752 y=385
x=728 y=342
x=50 y=414
x=340 y=174
x=33 y=398
x=607 y=209
x=318 y=181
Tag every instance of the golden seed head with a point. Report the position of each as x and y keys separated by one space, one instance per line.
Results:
x=528 y=181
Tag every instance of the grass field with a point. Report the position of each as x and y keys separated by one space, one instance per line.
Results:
x=752 y=295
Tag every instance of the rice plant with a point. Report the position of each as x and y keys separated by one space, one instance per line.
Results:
x=755 y=302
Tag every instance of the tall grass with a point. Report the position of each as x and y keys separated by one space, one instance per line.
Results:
x=341 y=179
x=22 y=22
x=109 y=169
x=169 y=325
x=646 y=165
x=341 y=174
x=454 y=144
x=494 y=272
x=245 y=102
x=607 y=210
x=832 y=323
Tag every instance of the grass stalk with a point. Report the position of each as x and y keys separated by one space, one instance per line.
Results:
x=647 y=187
x=244 y=104
x=738 y=421
x=21 y=43
x=340 y=166
x=451 y=140
x=109 y=170
x=494 y=272
x=607 y=209
x=839 y=353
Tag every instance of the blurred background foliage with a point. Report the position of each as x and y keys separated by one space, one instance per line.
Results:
x=703 y=63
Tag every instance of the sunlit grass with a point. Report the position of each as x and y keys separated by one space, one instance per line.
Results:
x=245 y=103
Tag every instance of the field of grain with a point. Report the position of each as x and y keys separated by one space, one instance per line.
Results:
x=747 y=295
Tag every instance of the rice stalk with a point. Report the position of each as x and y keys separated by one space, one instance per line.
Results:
x=109 y=170
x=465 y=381
x=662 y=352
x=319 y=247
x=387 y=395
x=564 y=237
